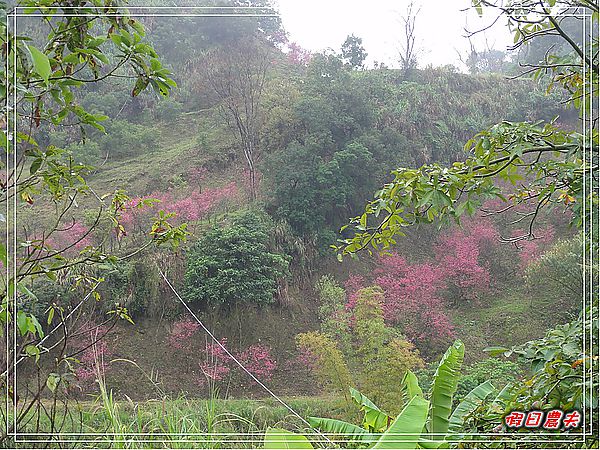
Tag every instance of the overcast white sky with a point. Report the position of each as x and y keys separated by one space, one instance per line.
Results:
x=320 y=24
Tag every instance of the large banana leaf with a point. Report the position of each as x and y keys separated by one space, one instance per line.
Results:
x=503 y=396
x=279 y=439
x=472 y=400
x=405 y=431
x=347 y=430
x=375 y=419
x=444 y=386
x=410 y=387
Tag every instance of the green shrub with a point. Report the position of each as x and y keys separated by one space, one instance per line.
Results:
x=135 y=285
x=382 y=356
x=167 y=109
x=332 y=312
x=87 y=152
x=556 y=277
x=144 y=284
x=234 y=264
x=322 y=355
x=499 y=372
x=360 y=348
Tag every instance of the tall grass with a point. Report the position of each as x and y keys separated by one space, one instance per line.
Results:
x=213 y=423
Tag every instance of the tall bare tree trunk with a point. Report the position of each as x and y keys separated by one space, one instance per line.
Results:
x=237 y=75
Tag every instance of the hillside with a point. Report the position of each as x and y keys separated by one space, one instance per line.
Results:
x=217 y=238
x=191 y=160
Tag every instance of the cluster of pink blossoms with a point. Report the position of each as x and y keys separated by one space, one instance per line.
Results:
x=194 y=206
x=216 y=364
x=95 y=353
x=414 y=292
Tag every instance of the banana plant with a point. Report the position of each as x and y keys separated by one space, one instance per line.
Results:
x=403 y=433
x=423 y=423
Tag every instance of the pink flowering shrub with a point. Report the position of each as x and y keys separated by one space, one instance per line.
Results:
x=415 y=294
x=73 y=237
x=77 y=234
x=458 y=253
x=353 y=284
x=196 y=205
x=88 y=359
x=136 y=214
x=94 y=353
x=258 y=360
x=413 y=300
x=181 y=332
x=530 y=250
x=215 y=363
x=298 y=55
x=216 y=366
x=306 y=358
x=197 y=175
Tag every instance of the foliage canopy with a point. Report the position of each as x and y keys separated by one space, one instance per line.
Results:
x=234 y=265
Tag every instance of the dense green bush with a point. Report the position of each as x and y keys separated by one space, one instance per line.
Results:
x=333 y=314
x=167 y=110
x=321 y=354
x=87 y=152
x=313 y=192
x=104 y=101
x=234 y=264
x=498 y=372
x=382 y=354
x=47 y=293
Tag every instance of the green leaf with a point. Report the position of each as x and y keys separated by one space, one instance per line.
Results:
x=444 y=386
x=51 y=275
x=495 y=351
x=35 y=165
x=137 y=26
x=441 y=199
x=472 y=400
x=50 y=315
x=22 y=323
x=374 y=419
x=96 y=42
x=347 y=430
x=32 y=350
x=117 y=40
x=277 y=438
x=3 y=255
x=410 y=387
x=155 y=64
x=40 y=61
x=52 y=381
x=160 y=87
x=37 y=327
x=140 y=85
x=406 y=430
x=3 y=137
x=23 y=289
